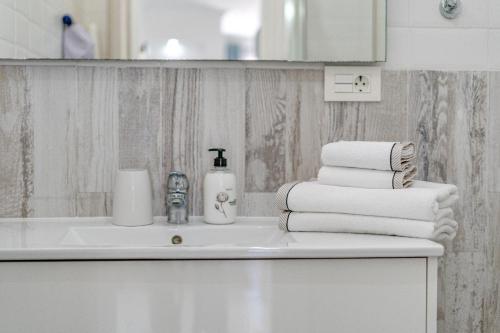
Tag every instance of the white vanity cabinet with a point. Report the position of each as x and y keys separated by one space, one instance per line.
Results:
x=304 y=283
x=386 y=295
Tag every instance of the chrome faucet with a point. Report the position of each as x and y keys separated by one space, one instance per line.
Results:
x=177 y=198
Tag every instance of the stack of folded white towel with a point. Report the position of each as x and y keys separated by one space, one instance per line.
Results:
x=368 y=187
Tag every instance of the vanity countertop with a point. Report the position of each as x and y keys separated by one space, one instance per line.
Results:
x=249 y=238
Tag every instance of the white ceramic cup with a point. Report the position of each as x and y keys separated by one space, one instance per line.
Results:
x=132 y=200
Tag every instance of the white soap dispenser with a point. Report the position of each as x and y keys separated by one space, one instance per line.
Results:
x=219 y=192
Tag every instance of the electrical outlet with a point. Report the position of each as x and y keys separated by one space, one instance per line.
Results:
x=353 y=83
x=361 y=84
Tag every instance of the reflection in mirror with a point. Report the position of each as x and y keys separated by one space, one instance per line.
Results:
x=301 y=30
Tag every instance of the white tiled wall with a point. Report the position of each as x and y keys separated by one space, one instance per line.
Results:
x=418 y=37
x=31 y=28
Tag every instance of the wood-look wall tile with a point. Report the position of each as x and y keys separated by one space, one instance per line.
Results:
x=265 y=114
x=54 y=206
x=494 y=132
x=16 y=144
x=388 y=120
x=259 y=204
x=223 y=122
x=204 y=110
x=431 y=97
x=469 y=157
x=168 y=91
x=183 y=129
x=283 y=115
x=305 y=108
x=53 y=95
x=97 y=128
x=374 y=121
x=448 y=112
x=461 y=292
x=491 y=308
x=90 y=204
x=140 y=125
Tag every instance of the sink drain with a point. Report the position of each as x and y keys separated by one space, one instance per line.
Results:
x=176 y=240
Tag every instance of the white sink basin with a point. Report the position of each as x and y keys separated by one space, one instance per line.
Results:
x=96 y=238
x=166 y=235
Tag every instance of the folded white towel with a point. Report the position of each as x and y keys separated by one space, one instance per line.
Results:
x=366 y=178
x=422 y=201
x=445 y=229
x=393 y=156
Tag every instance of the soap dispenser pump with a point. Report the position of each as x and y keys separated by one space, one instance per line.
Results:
x=219 y=192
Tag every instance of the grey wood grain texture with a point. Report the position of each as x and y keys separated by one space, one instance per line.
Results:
x=223 y=118
x=491 y=313
x=448 y=114
x=184 y=135
x=168 y=92
x=322 y=122
x=377 y=121
x=140 y=125
x=54 y=206
x=461 y=292
x=265 y=126
x=283 y=117
x=94 y=204
x=53 y=99
x=206 y=111
x=259 y=204
x=303 y=150
x=16 y=144
x=287 y=122
x=494 y=130
x=97 y=128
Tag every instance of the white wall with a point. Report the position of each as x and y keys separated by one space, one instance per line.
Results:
x=31 y=28
x=418 y=37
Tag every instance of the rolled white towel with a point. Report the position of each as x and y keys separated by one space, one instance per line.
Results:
x=366 y=178
x=393 y=156
x=422 y=201
x=444 y=229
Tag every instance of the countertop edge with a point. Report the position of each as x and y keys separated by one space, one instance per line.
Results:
x=219 y=254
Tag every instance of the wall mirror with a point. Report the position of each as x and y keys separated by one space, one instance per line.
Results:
x=293 y=30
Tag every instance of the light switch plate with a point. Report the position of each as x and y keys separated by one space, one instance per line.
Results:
x=341 y=83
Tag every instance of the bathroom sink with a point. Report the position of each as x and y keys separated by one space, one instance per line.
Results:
x=96 y=238
x=166 y=235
